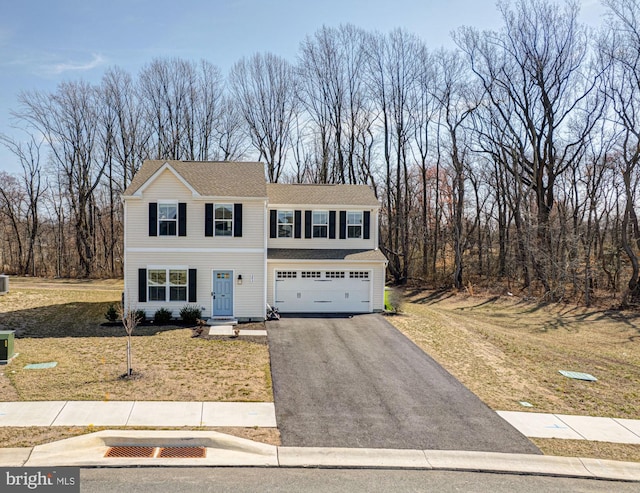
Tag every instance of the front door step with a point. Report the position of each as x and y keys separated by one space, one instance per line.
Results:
x=222 y=321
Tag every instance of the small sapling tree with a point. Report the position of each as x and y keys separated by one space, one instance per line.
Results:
x=130 y=320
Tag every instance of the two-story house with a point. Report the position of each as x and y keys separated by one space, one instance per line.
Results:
x=216 y=235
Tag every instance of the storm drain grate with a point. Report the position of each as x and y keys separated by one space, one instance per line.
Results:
x=183 y=452
x=129 y=451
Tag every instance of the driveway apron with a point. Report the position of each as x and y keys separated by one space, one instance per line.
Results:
x=358 y=382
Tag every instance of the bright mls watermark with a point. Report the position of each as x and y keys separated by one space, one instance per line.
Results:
x=49 y=479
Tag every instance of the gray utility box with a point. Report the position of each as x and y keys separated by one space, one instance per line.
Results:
x=4 y=284
x=6 y=346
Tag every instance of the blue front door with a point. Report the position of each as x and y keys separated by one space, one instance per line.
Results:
x=222 y=293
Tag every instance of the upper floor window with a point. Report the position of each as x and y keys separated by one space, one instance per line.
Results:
x=320 y=224
x=285 y=224
x=167 y=219
x=224 y=219
x=354 y=224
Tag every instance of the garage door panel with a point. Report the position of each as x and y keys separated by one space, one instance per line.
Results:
x=323 y=294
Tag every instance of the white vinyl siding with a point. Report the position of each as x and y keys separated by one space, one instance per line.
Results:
x=167 y=186
x=326 y=243
x=249 y=301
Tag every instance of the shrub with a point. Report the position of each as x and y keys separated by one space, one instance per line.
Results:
x=190 y=313
x=140 y=316
x=162 y=316
x=112 y=313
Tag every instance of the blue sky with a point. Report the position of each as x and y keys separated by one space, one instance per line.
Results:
x=45 y=42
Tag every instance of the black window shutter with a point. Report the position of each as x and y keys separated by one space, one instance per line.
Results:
x=332 y=225
x=297 y=224
x=273 y=223
x=366 y=226
x=193 y=286
x=153 y=219
x=208 y=219
x=343 y=225
x=142 y=285
x=307 y=224
x=237 y=220
x=182 y=219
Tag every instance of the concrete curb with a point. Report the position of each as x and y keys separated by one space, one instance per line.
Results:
x=229 y=451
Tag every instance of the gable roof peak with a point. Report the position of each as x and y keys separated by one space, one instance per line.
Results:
x=205 y=178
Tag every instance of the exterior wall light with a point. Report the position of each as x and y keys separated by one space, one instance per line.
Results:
x=239 y=279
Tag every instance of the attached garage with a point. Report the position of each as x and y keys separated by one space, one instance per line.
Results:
x=312 y=291
x=326 y=281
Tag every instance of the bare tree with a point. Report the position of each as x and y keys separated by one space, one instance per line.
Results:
x=535 y=64
x=332 y=90
x=230 y=142
x=425 y=116
x=68 y=119
x=203 y=111
x=164 y=86
x=620 y=53
x=456 y=102
x=23 y=212
x=130 y=320
x=394 y=78
x=265 y=89
x=126 y=133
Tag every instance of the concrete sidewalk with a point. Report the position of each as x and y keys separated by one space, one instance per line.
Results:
x=542 y=425
x=262 y=414
x=224 y=450
x=137 y=413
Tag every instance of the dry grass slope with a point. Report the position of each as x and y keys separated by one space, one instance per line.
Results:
x=506 y=350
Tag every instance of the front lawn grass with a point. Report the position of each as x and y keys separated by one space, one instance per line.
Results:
x=62 y=321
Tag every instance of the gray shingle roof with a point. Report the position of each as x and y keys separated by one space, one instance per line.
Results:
x=210 y=179
x=323 y=254
x=304 y=194
x=239 y=179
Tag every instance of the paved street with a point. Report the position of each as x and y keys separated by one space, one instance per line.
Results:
x=358 y=382
x=219 y=480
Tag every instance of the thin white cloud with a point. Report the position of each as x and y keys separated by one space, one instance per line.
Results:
x=60 y=68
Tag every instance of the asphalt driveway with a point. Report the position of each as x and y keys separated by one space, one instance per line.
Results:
x=358 y=382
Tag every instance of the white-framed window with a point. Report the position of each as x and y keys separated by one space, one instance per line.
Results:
x=223 y=219
x=167 y=284
x=354 y=224
x=286 y=274
x=359 y=274
x=310 y=274
x=320 y=224
x=334 y=275
x=285 y=224
x=167 y=219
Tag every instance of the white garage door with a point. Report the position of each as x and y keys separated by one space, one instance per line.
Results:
x=320 y=291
